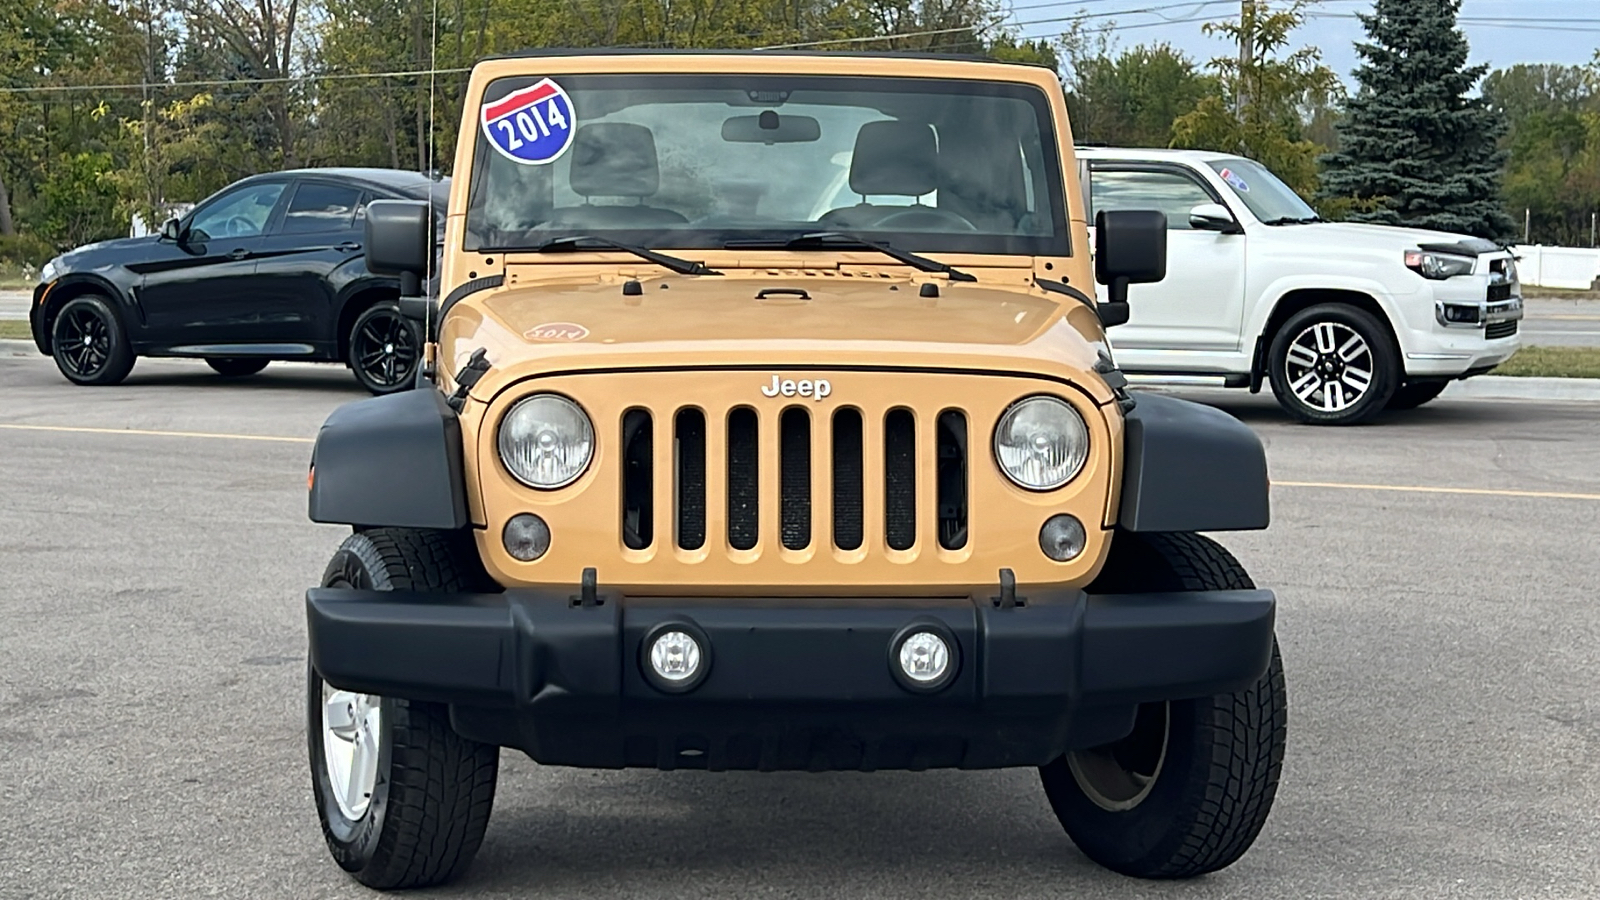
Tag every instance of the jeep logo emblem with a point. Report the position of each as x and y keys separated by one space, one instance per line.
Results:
x=784 y=387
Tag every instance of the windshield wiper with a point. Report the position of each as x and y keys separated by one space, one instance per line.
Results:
x=840 y=240
x=1292 y=220
x=576 y=242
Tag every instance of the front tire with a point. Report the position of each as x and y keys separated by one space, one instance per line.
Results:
x=384 y=350
x=1333 y=364
x=235 y=367
x=403 y=799
x=1188 y=791
x=88 y=342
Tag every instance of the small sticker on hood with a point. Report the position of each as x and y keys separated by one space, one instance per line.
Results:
x=556 y=332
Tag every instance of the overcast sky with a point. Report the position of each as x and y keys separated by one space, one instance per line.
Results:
x=1521 y=31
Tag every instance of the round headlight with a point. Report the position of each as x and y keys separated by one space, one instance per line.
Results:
x=1041 y=443
x=546 y=441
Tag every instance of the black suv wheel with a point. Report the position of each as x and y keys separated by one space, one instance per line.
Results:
x=384 y=350
x=88 y=342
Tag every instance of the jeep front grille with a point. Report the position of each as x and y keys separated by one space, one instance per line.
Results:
x=788 y=450
x=705 y=484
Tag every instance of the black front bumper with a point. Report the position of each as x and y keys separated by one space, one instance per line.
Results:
x=792 y=684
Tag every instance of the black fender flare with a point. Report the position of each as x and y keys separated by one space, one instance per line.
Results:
x=391 y=461
x=1189 y=467
x=123 y=303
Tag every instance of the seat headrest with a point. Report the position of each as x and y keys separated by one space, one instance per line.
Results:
x=982 y=170
x=897 y=158
x=614 y=159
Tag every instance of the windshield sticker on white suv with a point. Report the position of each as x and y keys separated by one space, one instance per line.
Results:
x=533 y=126
x=1234 y=180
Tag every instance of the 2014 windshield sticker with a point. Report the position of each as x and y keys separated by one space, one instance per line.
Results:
x=1237 y=182
x=533 y=126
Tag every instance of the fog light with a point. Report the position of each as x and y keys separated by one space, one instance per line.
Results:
x=1062 y=538
x=526 y=537
x=924 y=657
x=675 y=656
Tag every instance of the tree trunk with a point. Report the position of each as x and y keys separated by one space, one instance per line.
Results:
x=7 y=227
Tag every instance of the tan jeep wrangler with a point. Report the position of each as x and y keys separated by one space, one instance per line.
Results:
x=770 y=424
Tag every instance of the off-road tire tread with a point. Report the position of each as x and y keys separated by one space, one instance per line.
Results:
x=1226 y=815
x=1243 y=734
x=442 y=784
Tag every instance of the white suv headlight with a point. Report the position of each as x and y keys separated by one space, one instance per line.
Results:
x=1041 y=443
x=1438 y=266
x=546 y=441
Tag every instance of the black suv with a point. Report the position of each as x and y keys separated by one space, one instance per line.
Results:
x=269 y=268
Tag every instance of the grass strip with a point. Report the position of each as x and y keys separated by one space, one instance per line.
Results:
x=15 y=329
x=1552 y=362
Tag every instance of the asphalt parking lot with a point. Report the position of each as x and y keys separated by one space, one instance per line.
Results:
x=1439 y=626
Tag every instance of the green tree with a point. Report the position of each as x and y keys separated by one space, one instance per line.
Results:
x=1264 y=96
x=1131 y=98
x=1522 y=90
x=1415 y=148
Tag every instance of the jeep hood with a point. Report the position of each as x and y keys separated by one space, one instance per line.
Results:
x=740 y=319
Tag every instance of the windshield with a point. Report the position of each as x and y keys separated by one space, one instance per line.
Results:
x=1268 y=198
x=701 y=161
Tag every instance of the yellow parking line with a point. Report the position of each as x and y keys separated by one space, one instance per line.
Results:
x=149 y=433
x=1419 y=489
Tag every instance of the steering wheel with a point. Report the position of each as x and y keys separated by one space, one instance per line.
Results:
x=925 y=218
x=239 y=226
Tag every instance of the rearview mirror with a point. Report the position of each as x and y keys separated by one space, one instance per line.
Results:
x=1213 y=217
x=1130 y=247
x=771 y=128
x=399 y=241
x=171 y=230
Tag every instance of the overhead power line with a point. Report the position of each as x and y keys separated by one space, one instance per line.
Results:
x=1580 y=25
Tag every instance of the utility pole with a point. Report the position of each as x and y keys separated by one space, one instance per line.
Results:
x=153 y=191
x=1247 y=55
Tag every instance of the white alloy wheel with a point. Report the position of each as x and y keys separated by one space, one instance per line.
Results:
x=1329 y=366
x=352 y=727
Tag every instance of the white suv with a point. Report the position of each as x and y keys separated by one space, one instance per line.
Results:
x=1343 y=320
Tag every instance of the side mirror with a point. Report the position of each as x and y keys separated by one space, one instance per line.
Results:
x=1130 y=247
x=399 y=239
x=1213 y=217
x=171 y=231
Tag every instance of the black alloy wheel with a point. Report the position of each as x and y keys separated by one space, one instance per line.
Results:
x=384 y=350
x=88 y=343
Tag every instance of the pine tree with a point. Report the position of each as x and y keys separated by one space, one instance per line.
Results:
x=1415 y=150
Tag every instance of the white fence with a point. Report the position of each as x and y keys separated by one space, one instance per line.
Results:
x=1558 y=267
